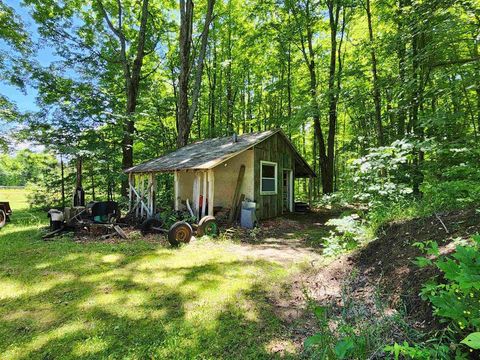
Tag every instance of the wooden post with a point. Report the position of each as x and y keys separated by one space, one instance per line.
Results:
x=150 y=195
x=154 y=193
x=141 y=193
x=211 y=191
x=130 y=191
x=137 y=200
x=176 y=194
x=204 y=199
x=196 y=194
x=292 y=191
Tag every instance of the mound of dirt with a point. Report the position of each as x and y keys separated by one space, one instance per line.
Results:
x=383 y=268
x=387 y=261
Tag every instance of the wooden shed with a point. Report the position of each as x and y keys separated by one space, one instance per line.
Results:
x=212 y=173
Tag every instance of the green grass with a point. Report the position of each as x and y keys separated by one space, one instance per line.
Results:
x=135 y=300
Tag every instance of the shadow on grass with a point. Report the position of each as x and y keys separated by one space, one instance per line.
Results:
x=62 y=299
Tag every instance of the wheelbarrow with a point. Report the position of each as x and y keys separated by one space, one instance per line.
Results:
x=181 y=231
x=5 y=212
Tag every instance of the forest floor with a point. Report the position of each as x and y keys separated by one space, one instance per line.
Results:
x=378 y=280
x=228 y=299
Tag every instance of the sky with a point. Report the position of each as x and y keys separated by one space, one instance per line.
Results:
x=24 y=99
x=45 y=55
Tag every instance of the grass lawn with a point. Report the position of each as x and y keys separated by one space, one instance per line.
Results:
x=132 y=300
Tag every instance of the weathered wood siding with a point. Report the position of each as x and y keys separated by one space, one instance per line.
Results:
x=274 y=149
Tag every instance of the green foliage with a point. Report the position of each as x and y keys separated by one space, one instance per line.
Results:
x=419 y=351
x=472 y=340
x=456 y=300
x=378 y=174
x=347 y=233
x=27 y=167
x=354 y=330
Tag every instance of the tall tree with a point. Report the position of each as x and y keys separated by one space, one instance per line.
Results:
x=376 y=87
x=186 y=111
x=132 y=68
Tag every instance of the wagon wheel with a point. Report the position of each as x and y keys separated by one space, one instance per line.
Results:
x=148 y=226
x=180 y=232
x=207 y=226
x=3 y=218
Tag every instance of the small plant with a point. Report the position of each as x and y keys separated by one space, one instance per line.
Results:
x=418 y=351
x=254 y=233
x=348 y=233
x=456 y=301
x=355 y=330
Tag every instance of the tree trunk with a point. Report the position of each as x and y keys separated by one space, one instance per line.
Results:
x=376 y=88
x=131 y=74
x=333 y=11
x=62 y=169
x=185 y=40
x=185 y=112
x=402 y=113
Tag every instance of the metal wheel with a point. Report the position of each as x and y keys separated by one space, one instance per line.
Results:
x=208 y=226
x=180 y=232
x=3 y=218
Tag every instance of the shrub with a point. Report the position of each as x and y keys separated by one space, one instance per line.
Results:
x=348 y=233
x=456 y=301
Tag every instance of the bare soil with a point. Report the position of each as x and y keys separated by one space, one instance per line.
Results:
x=383 y=268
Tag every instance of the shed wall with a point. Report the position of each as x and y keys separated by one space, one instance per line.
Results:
x=274 y=149
x=185 y=186
x=226 y=175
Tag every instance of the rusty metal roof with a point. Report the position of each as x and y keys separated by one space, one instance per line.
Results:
x=208 y=153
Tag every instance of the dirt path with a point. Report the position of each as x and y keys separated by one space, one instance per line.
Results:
x=281 y=250
x=285 y=240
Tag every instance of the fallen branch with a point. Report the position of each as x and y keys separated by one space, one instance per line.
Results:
x=443 y=224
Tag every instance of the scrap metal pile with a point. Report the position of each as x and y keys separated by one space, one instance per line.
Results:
x=98 y=218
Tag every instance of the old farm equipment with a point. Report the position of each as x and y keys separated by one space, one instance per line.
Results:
x=142 y=190
x=94 y=218
x=5 y=212
x=181 y=231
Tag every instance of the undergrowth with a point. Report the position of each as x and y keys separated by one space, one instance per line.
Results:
x=357 y=328
x=455 y=300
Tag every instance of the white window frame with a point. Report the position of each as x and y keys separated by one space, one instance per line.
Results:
x=261 y=177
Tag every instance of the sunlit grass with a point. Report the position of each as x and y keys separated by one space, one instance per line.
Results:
x=136 y=299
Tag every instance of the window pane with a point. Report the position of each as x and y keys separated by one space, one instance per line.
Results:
x=268 y=184
x=268 y=171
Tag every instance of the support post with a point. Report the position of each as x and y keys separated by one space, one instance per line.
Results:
x=211 y=191
x=142 y=193
x=137 y=183
x=291 y=200
x=196 y=194
x=150 y=195
x=204 y=199
x=130 y=191
x=154 y=193
x=176 y=188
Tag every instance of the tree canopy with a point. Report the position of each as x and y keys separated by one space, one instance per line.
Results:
x=344 y=79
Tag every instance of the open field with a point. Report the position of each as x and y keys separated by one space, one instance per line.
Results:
x=135 y=299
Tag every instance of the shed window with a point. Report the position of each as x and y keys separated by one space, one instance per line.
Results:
x=268 y=178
